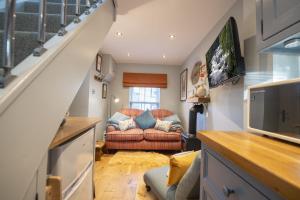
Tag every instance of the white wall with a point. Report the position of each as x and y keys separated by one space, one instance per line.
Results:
x=169 y=97
x=97 y=105
x=80 y=104
x=225 y=112
x=249 y=18
x=88 y=101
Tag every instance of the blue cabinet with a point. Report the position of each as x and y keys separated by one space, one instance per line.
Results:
x=221 y=179
x=276 y=21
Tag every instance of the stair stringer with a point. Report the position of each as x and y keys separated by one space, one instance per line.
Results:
x=29 y=123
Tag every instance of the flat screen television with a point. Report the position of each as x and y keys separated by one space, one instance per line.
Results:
x=223 y=60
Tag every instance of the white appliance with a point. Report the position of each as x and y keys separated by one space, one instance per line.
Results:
x=274 y=109
x=73 y=162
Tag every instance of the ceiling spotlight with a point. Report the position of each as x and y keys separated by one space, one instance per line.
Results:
x=128 y=54
x=119 y=34
x=164 y=56
x=172 y=37
x=292 y=43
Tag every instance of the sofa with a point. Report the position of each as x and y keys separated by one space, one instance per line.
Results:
x=139 y=139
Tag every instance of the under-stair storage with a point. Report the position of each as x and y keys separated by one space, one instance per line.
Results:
x=71 y=159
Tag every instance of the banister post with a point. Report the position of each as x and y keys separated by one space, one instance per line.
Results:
x=41 y=29
x=94 y=3
x=87 y=7
x=77 y=12
x=63 y=18
x=8 y=43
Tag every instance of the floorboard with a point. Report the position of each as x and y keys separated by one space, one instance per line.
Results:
x=119 y=181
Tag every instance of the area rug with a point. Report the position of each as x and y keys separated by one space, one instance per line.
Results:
x=141 y=162
x=148 y=159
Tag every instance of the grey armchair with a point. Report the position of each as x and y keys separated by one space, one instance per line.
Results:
x=187 y=189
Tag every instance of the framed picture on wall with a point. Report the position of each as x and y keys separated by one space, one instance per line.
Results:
x=183 y=85
x=104 y=91
x=98 y=63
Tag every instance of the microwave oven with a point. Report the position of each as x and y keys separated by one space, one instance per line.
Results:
x=274 y=109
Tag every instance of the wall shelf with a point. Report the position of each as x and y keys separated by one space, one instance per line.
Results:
x=198 y=100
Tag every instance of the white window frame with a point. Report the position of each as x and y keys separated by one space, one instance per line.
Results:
x=143 y=103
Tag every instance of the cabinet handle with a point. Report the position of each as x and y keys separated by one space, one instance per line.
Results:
x=227 y=192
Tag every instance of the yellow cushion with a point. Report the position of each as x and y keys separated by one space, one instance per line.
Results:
x=178 y=166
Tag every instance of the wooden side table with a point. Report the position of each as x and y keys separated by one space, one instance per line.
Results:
x=100 y=145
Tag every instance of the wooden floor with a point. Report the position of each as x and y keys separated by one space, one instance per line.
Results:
x=121 y=181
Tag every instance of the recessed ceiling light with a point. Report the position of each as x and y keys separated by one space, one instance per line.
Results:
x=164 y=56
x=128 y=54
x=172 y=36
x=119 y=34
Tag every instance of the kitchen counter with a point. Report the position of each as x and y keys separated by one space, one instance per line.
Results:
x=73 y=127
x=274 y=163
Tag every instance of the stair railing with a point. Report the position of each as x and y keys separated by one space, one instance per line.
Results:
x=95 y=3
x=41 y=29
x=63 y=18
x=8 y=42
x=87 y=7
x=77 y=12
x=9 y=32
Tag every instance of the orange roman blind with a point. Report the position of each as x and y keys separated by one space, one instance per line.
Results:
x=145 y=80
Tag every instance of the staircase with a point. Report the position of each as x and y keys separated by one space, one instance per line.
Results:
x=27 y=25
x=33 y=104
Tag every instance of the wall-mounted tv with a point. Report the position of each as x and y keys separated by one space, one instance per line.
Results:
x=223 y=60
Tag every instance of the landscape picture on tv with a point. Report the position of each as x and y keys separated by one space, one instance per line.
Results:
x=223 y=59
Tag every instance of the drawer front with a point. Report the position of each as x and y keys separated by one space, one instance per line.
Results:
x=220 y=182
x=83 y=189
x=70 y=159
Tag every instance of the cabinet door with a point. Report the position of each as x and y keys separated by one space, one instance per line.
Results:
x=70 y=159
x=278 y=15
x=219 y=182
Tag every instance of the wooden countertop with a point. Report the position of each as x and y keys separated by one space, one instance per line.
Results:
x=73 y=127
x=273 y=162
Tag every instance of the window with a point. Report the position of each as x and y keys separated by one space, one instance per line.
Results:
x=144 y=98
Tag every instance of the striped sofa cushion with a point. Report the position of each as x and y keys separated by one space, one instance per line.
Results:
x=135 y=134
x=157 y=135
x=144 y=145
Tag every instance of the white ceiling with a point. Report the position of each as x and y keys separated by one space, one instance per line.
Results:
x=147 y=24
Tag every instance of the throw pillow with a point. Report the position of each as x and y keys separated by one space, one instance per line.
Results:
x=188 y=187
x=145 y=120
x=117 y=117
x=126 y=124
x=173 y=118
x=176 y=128
x=163 y=125
x=179 y=164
